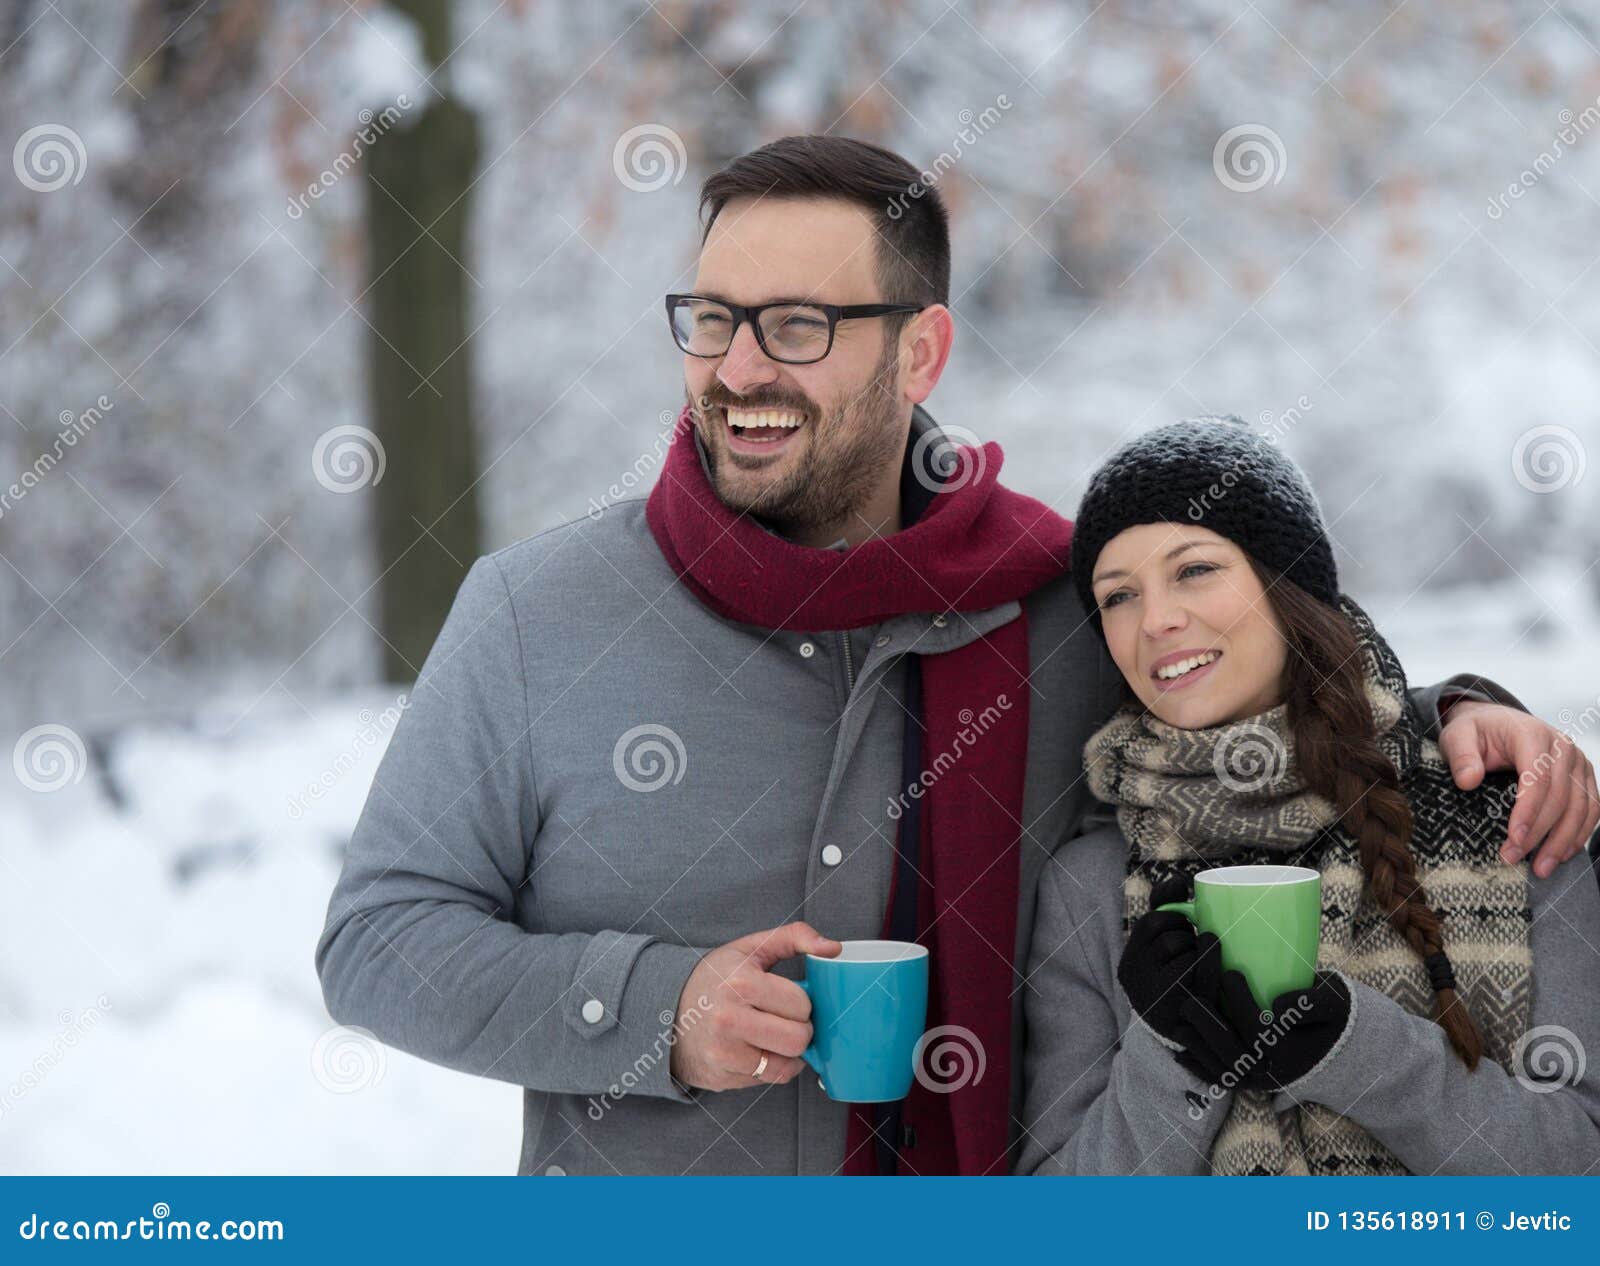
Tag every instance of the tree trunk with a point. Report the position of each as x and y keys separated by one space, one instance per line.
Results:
x=417 y=174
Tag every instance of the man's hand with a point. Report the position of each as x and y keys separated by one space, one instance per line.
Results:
x=741 y=1011
x=1557 y=804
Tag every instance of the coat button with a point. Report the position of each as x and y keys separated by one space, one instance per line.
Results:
x=594 y=1011
x=832 y=855
x=555 y=1171
x=807 y=650
x=939 y=621
x=883 y=640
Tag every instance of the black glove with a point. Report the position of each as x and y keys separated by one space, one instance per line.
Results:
x=1159 y=959
x=1224 y=1032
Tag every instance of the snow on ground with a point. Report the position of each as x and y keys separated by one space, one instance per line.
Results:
x=161 y=1010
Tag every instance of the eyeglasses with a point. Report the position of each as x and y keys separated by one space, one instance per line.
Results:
x=794 y=333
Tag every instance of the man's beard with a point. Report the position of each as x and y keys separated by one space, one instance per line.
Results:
x=844 y=458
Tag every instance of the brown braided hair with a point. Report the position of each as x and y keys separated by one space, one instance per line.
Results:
x=1335 y=744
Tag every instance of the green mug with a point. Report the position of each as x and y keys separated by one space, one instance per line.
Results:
x=1268 y=919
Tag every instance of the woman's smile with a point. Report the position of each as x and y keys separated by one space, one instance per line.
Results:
x=1182 y=669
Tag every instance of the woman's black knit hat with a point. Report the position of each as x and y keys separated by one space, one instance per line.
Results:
x=1216 y=473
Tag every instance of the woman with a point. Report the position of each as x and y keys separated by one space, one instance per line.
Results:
x=1455 y=995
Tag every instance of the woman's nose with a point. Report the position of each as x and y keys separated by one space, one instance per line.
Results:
x=1162 y=616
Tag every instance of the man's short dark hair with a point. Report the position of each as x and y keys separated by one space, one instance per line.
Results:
x=912 y=226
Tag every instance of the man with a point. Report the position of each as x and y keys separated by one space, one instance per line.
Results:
x=832 y=678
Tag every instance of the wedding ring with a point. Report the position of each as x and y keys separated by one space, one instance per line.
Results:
x=761 y=1067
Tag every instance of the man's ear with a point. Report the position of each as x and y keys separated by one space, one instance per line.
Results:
x=928 y=339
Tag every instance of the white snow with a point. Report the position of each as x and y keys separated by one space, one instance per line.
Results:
x=187 y=921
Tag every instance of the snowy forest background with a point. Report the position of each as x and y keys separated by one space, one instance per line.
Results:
x=187 y=601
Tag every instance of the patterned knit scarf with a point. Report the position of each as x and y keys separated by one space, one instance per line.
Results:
x=1232 y=795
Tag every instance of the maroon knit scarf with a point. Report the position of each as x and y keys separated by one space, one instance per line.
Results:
x=978 y=545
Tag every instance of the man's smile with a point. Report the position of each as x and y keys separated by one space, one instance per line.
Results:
x=760 y=432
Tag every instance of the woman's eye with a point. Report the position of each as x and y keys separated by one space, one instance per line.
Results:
x=1114 y=599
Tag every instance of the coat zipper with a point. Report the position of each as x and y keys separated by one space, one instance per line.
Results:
x=849 y=665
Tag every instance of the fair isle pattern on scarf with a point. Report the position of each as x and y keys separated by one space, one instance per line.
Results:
x=1232 y=795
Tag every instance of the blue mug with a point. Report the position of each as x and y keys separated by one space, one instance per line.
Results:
x=869 y=1006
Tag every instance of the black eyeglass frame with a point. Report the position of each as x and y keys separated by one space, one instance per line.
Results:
x=740 y=313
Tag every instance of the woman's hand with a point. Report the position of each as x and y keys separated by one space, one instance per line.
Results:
x=1230 y=1042
x=1160 y=958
